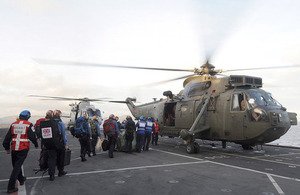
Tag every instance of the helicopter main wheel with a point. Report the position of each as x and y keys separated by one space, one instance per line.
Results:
x=197 y=147
x=247 y=147
x=223 y=144
x=192 y=148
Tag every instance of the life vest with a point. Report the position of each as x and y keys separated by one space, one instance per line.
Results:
x=149 y=125
x=141 y=127
x=156 y=125
x=20 y=140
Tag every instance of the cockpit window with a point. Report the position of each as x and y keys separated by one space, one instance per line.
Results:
x=92 y=112
x=238 y=103
x=255 y=98
x=198 y=89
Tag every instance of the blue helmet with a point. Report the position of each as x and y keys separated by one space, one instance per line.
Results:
x=25 y=115
x=149 y=118
x=142 y=118
x=156 y=119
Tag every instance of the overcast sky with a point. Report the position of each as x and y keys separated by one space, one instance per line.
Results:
x=155 y=33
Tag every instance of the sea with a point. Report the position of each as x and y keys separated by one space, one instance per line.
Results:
x=291 y=138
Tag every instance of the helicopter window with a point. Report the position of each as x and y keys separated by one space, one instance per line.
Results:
x=198 y=89
x=92 y=112
x=255 y=98
x=238 y=103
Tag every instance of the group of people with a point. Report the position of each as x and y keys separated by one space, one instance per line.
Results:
x=51 y=131
x=146 y=129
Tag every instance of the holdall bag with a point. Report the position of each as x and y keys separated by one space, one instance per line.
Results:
x=105 y=145
x=99 y=145
x=67 y=159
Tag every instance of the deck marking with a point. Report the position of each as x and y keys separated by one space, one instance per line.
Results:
x=121 y=169
x=233 y=166
x=22 y=189
x=277 y=187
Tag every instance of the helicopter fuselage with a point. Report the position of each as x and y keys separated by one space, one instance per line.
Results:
x=232 y=109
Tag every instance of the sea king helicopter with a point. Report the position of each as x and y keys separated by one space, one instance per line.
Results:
x=77 y=109
x=228 y=109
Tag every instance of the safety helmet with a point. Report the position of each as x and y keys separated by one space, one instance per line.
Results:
x=142 y=118
x=156 y=119
x=57 y=113
x=25 y=115
x=49 y=113
x=149 y=118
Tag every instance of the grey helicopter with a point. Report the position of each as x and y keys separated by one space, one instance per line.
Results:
x=84 y=106
x=231 y=108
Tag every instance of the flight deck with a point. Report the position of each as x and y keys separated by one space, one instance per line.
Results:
x=166 y=169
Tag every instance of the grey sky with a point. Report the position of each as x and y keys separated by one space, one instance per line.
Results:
x=170 y=34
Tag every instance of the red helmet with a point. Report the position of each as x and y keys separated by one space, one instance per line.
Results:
x=57 y=113
x=49 y=113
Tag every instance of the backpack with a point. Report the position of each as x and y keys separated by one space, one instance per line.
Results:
x=79 y=130
x=51 y=137
x=109 y=127
x=130 y=126
x=93 y=127
x=104 y=145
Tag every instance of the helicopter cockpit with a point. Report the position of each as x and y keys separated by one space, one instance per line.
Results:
x=255 y=101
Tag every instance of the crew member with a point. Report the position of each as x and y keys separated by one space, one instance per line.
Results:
x=86 y=137
x=155 y=132
x=129 y=134
x=37 y=127
x=112 y=134
x=149 y=129
x=140 y=134
x=19 y=135
x=95 y=128
x=63 y=143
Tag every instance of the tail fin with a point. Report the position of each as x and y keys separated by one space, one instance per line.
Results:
x=129 y=102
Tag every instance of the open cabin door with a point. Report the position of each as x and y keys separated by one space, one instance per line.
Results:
x=169 y=113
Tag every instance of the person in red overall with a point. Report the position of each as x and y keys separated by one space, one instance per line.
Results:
x=155 y=133
x=19 y=135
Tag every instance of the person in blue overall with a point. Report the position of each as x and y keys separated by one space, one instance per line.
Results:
x=149 y=129
x=140 y=134
x=85 y=139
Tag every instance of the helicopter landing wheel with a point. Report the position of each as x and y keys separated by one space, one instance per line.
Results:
x=192 y=148
x=197 y=147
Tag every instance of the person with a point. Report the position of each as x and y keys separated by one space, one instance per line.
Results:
x=63 y=143
x=129 y=134
x=112 y=134
x=243 y=105
x=155 y=132
x=118 y=122
x=19 y=135
x=49 y=115
x=95 y=128
x=53 y=140
x=86 y=136
x=149 y=129
x=140 y=134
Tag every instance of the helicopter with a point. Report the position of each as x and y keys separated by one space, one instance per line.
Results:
x=78 y=109
x=228 y=109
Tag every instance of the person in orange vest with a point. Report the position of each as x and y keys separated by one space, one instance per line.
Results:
x=155 y=133
x=19 y=135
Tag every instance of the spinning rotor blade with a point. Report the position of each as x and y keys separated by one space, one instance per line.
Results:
x=69 y=63
x=166 y=81
x=262 y=68
x=67 y=98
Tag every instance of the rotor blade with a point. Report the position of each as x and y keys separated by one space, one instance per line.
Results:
x=262 y=68
x=67 y=98
x=70 y=63
x=166 y=81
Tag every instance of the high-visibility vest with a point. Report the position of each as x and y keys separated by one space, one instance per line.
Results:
x=149 y=125
x=141 y=127
x=19 y=130
x=156 y=125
